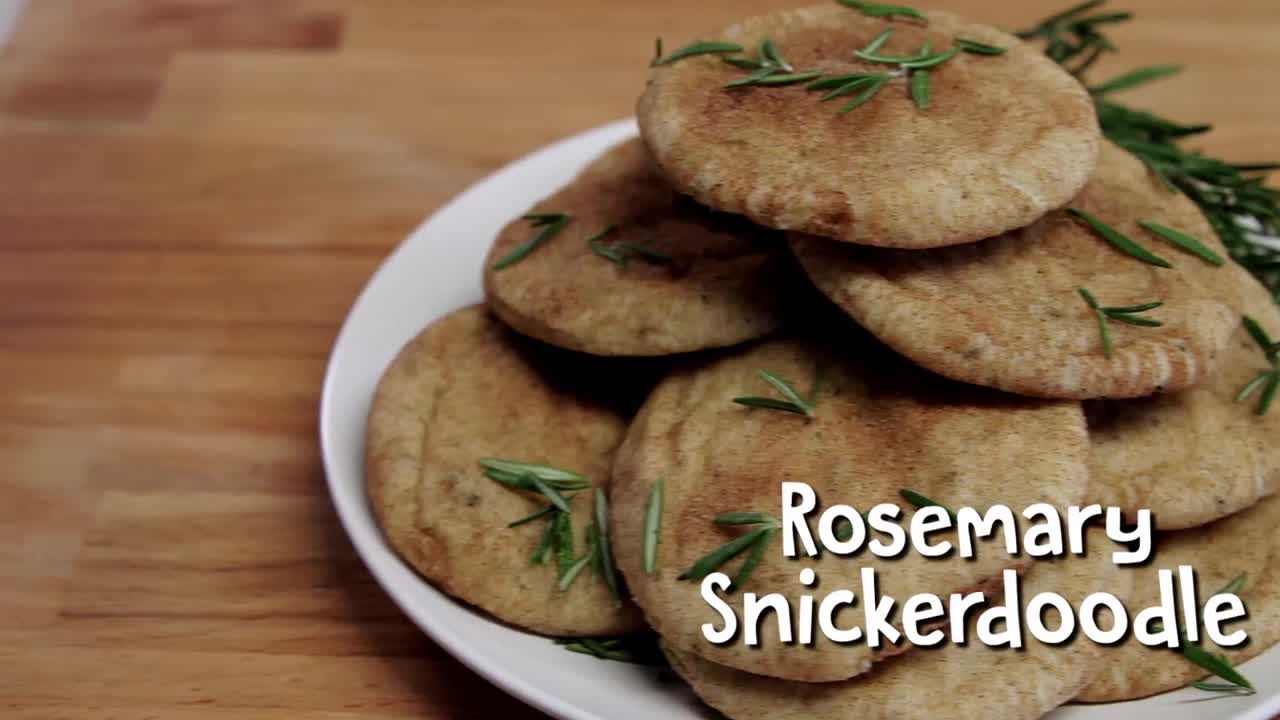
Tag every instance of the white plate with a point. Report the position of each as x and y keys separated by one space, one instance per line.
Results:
x=436 y=270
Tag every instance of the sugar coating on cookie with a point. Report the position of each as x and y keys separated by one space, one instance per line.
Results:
x=468 y=388
x=879 y=425
x=663 y=275
x=1003 y=140
x=1006 y=312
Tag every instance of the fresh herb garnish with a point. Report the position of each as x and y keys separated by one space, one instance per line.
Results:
x=619 y=253
x=1268 y=380
x=1234 y=197
x=548 y=226
x=921 y=501
x=920 y=88
x=1184 y=241
x=1125 y=314
x=979 y=48
x=885 y=11
x=769 y=69
x=756 y=541
x=515 y=474
x=652 y=526
x=601 y=545
x=698 y=48
x=634 y=649
x=1118 y=239
x=873 y=55
x=878 y=41
x=793 y=402
x=1219 y=665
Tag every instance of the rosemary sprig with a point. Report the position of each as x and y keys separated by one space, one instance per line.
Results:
x=634 y=649
x=1118 y=239
x=979 y=48
x=756 y=540
x=793 y=402
x=1267 y=380
x=1219 y=665
x=548 y=226
x=652 y=526
x=515 y=474
x=1242 y=210
x=769 y=69
x=1184 y=241
x=698 y=48
x=885 y=11
x=1125 y=314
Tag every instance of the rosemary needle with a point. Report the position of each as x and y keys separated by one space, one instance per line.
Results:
x=699 y=48
x=792 y=403
x=535 y=516
x=562 y=530
x=548 y=225
x=932 y=60
x=979 y=48
x=920 y=88
x=604 y=251
x=1125 y=314
x=886 y=11
x=872 y=88
x=548 y=492
x=878 y=41
x=1184 y=241
x=652 y=527
x=769 y=53
x=571 y=574
x=635 y=649
x=1135 y=78
x=513 y=472
x=1118 y=240
x=855 y=84
x=871 y=56
x=708 y=563
x=1267 y=380
x=921 y=501
x=602 y=545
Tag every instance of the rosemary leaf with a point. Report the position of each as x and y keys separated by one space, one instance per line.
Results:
x=787 y=391
x=652 y=527
x=932 y=60
x=562 y=539
x=1220 y=687
x=867 y=94
x=1125 y=309
x=870 y=56
x=769 y=54
x=835 y=81
x=781 y=79
x=1184 y=241
x=548 y=539
x=753 y=558
x=853 y=85
x=878 y=41
x=1252 y=386
x=1134 y=320
x=770 y=404
x=557 y=477
x=1135 y=78
x=723 y=554
x=634 y=649
x=530 y=518
x=1215 y=664
x=753 y=78
x=1268 y=393
x=1118 y=240
x=572 y=572
x=979 y=48
x=921 y=501
x=699 y=48
x=646 y=252
x=886 y=11
x=743 y=63
x=1259 y=335
x=1234 y=586
x=548 y=492
x=548 y=225
x=920 y=88
x=602 y=545
x=745 y=518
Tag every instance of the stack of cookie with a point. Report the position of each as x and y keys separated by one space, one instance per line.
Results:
x=1009 y=310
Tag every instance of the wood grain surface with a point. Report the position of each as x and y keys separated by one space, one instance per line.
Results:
x=193 y=193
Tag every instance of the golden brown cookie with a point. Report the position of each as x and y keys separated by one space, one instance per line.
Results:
x=1198 y=455
x=1006 y=312
x=1244 y=543
x=716 y=280
x=959 y=682
x=465 y=389
x=1003 y=140
x=879 y=426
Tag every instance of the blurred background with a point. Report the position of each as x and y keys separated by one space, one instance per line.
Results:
x=193 y=193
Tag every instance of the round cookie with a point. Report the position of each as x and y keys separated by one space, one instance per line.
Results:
x=1004 y=139
x=1244 y=543
x=879 y=426
x=963 y=682
x=1198 y=455
x=464 y=389
x=719 y=280
x=1006 y=312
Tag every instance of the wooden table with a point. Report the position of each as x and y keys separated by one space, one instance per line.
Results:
x=193 y=193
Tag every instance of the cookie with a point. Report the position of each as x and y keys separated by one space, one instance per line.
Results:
x=1198 y=455
x=879 y=426
x=1006 y=312
x=1004 y=138
x=670 y=277
x=465 y=389
x=1242 y=544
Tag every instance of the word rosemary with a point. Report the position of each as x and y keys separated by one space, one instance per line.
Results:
x=634 y=649
x=1126 y=314
x=1268 y=380
x=548 y=226
x=792 y=403
x=652 y=526
x=619 y=253
x=756 y=541
x=1242 y=210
